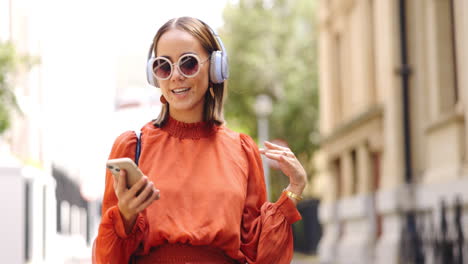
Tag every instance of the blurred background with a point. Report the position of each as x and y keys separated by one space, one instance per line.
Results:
x=371 y=95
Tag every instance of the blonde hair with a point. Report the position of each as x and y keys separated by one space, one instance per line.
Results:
x=213 y=108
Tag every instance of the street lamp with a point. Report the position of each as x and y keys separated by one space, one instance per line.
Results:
x=263 y=108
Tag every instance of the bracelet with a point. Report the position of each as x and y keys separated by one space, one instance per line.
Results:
x=293 y=195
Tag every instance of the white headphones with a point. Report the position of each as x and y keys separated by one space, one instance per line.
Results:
x=219 y=68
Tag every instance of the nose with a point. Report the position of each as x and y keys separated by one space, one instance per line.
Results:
x=176 y=74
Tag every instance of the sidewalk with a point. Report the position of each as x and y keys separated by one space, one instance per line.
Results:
x=297 y=259
x=304 y=259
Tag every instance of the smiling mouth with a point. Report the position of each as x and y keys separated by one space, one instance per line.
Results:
x=179 y=91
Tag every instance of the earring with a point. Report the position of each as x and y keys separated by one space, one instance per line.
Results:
x=162 y=99
x=212 y=92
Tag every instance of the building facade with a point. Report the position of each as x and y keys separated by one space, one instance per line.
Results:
x=393 y=109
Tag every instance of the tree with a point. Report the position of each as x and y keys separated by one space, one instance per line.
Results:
x=272 y=48
x=10 y=61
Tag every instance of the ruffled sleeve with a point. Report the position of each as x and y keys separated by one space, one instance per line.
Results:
x=112 y=244
x=266 y=232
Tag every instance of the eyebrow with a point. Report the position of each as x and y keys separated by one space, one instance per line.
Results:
x=185 y=53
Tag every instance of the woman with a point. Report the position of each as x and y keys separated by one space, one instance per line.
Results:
x=212 y=207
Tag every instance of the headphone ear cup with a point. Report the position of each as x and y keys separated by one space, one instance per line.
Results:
x=224 y=66
x=149 y=73
x=216 y=71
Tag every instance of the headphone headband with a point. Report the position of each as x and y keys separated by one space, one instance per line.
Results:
x=219 y=68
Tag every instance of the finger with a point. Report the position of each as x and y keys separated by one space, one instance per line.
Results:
x=154 y=196
x=277 y=157
x=143 y=195
x=276 y=154
x=122 y=181
x=286 y=153
x=270 y=145
x=116 y=180
x=138 y=186
x=158 y=193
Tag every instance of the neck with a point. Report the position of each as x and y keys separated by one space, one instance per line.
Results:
x=187 y=116
x=195 y=130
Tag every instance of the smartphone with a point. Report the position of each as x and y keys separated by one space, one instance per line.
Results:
x=134 y=174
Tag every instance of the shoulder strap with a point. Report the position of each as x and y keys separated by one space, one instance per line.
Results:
x=138 y=147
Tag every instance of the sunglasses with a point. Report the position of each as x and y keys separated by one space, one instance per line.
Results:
x=188 y=66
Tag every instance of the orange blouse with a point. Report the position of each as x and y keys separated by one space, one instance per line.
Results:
x=212 y=193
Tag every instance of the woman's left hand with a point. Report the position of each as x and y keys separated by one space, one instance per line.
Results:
x=288 y=164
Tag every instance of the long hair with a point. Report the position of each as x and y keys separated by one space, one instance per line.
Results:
x=213 y=108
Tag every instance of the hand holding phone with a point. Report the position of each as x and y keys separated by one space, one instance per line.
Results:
x=138 y=195
x=134 y=174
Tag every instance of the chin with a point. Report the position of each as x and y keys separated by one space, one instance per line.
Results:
x=182 y=106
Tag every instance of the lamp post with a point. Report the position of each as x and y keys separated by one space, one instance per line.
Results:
x=263 y=108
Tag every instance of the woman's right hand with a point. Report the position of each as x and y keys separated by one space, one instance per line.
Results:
x=134 y=200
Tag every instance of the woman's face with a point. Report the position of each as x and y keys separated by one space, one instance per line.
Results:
x=184 y=95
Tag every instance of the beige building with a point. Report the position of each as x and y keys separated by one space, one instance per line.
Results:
x=394 y=104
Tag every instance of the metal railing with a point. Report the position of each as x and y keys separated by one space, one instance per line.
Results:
x=426 y=240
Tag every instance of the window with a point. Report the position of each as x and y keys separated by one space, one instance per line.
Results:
x=443 y=63
x=454 y=50
x=354 y=176
x=337 y=80
x=338 y=179
x=376 y=174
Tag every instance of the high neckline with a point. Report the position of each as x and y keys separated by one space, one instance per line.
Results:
x=189 y=130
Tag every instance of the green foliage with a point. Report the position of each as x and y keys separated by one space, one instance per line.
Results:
x=272 y=50
x=7 y=97
x=9 y=63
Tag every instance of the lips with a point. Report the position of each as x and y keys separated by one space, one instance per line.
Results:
x=180 y=90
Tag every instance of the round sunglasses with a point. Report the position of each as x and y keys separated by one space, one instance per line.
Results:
x=188 y=66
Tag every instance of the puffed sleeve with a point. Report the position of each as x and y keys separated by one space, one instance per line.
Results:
x=112 y=244
x=266 y=232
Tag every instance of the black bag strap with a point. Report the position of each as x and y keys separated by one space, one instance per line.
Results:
x=138 y=147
